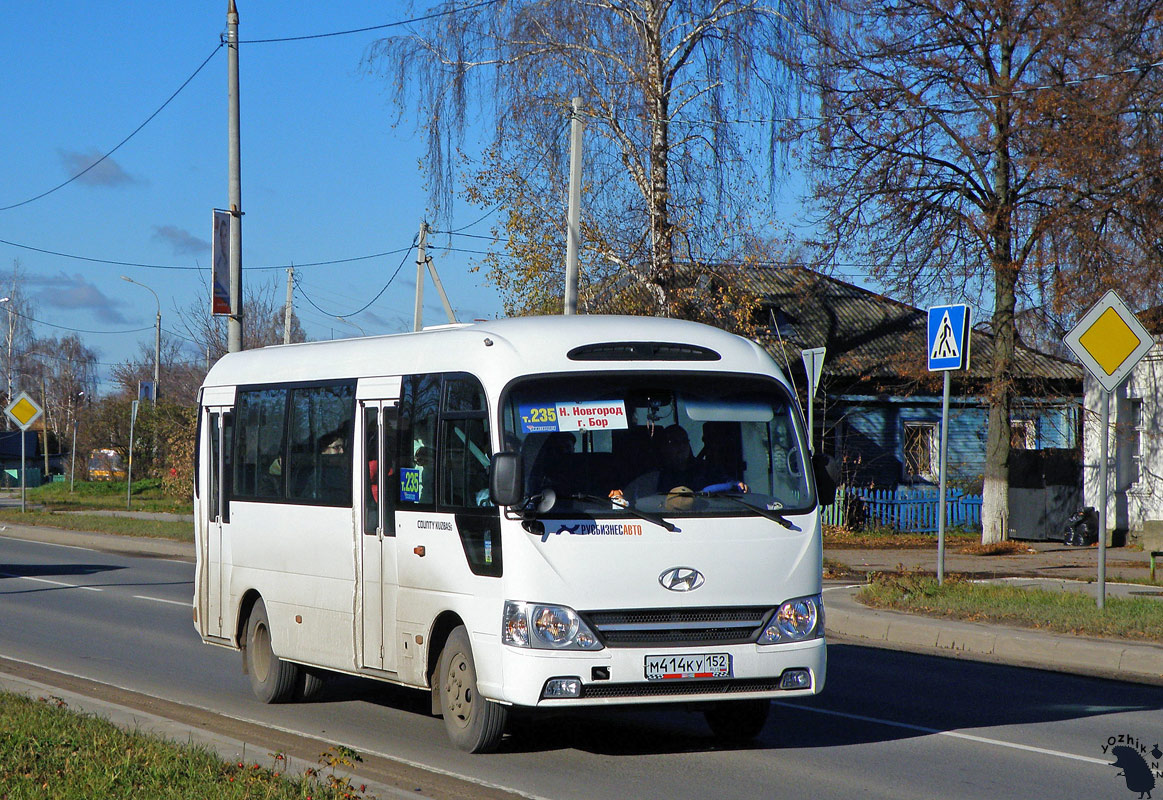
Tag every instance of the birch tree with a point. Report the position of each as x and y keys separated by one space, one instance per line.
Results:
x=674 y=166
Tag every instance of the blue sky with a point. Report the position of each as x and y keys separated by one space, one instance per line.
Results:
x=325 y=174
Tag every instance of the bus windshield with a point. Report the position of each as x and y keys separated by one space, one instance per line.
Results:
x=665 y=443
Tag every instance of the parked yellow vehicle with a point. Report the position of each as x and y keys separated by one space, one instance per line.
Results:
x=106 y=465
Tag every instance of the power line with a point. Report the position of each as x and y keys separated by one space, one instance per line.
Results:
x=433 y=15
x=403 y=261
x=74 y=330
x=136 y=130
x=117 y=263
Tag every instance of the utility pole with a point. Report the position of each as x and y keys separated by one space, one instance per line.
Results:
x=573 y=229
x=287 y=311
x=234 y=321
x=421 y=261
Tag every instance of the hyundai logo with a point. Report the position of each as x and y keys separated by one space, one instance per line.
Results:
x=681 y=579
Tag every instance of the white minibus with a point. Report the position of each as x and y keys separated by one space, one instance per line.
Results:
x=540 y=512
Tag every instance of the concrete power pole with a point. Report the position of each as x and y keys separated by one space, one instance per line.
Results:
x=573 y=230
x=287 y=311
x=234 y=321
x=421 y=262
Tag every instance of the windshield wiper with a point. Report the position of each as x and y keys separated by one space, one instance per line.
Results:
x=737 y=498
x=646 y=515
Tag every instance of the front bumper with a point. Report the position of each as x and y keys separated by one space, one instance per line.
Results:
x=617 y=675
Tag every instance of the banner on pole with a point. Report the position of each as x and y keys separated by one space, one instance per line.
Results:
x=220 y=258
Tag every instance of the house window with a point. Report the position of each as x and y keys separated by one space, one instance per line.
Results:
x=921 y=450
x=1023 y=434
x=1134 y=439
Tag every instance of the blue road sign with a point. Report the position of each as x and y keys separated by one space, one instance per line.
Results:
x=948 y=338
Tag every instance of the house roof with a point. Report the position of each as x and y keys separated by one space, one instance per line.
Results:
x=869 y=336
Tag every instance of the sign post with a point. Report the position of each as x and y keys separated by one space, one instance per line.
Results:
x=129 y=470
x=813 y=366
x=1110 y=342
x=948 y=349
x=23 y=411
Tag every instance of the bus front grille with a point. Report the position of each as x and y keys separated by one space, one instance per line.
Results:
x=680 y=627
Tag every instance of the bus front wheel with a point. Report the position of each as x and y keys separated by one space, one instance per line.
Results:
x=272 y=679
x=474 y=724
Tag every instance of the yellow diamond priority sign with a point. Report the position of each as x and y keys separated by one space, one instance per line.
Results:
x=23 y=410
x=1109 y=341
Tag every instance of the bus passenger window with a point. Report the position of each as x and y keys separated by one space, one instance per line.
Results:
x=419 y=404
x=319 y=455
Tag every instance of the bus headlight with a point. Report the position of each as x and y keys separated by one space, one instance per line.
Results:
x=795 y=621
x=545 y=627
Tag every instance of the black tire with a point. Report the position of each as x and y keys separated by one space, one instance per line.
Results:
x=737 y=720
x=272 y=679
x=310 y=684
x=474 y=724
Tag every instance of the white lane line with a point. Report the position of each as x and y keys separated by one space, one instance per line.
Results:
x=160 y=600
x=54 y=583
x=953 y=734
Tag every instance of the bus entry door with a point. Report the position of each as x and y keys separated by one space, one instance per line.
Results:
x=379 y=578
x=215 y=517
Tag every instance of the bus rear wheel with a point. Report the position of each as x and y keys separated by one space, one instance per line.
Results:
x=474 y=724
x=272 y=679
x=737 y=720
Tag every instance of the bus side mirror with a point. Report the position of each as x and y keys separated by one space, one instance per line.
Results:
x=827 y=471
x=506 y=479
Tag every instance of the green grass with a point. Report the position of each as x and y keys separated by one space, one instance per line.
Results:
x=123 y=526
x=889 y=538
x=47 y=750
x=1139 y=618
x=147 y=496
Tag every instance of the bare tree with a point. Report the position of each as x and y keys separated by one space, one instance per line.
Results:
x=179 y=376
x=1006 y=151
x=18 y=333
x=264 y=324
x=671 y=176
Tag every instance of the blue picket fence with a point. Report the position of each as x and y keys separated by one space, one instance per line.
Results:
x=909 y=510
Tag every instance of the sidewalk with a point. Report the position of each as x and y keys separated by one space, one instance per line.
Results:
x=1050 y=566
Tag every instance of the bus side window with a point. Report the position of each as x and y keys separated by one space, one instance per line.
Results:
x=416 y=448
x=464 y=444
x=320 y=453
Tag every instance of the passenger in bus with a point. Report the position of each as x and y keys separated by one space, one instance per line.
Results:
x=551 y=467
x=427 y=474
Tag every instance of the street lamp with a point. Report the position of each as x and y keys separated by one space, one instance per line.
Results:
x=362 y=332
x=157 y=336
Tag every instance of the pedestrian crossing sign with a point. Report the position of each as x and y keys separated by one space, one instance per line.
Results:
x=948 y=338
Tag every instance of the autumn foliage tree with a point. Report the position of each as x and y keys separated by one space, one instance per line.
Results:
x=672 y=172
x=1004 y=151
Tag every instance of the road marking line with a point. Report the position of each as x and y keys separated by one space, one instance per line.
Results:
x=953 y=734
x=54 y=583
x=160 y=600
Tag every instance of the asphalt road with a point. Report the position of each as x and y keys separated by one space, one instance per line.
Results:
x=889 y=724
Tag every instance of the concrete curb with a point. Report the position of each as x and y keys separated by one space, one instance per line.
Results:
x=1120 y=660
x=104 y=542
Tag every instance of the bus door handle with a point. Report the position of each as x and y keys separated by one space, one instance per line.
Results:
x=419 y=550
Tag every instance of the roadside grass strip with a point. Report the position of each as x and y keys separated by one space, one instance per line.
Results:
x=47 y=750
x=96 y=523
x=147 y=496
x=1136 y=618
x=877 y=538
